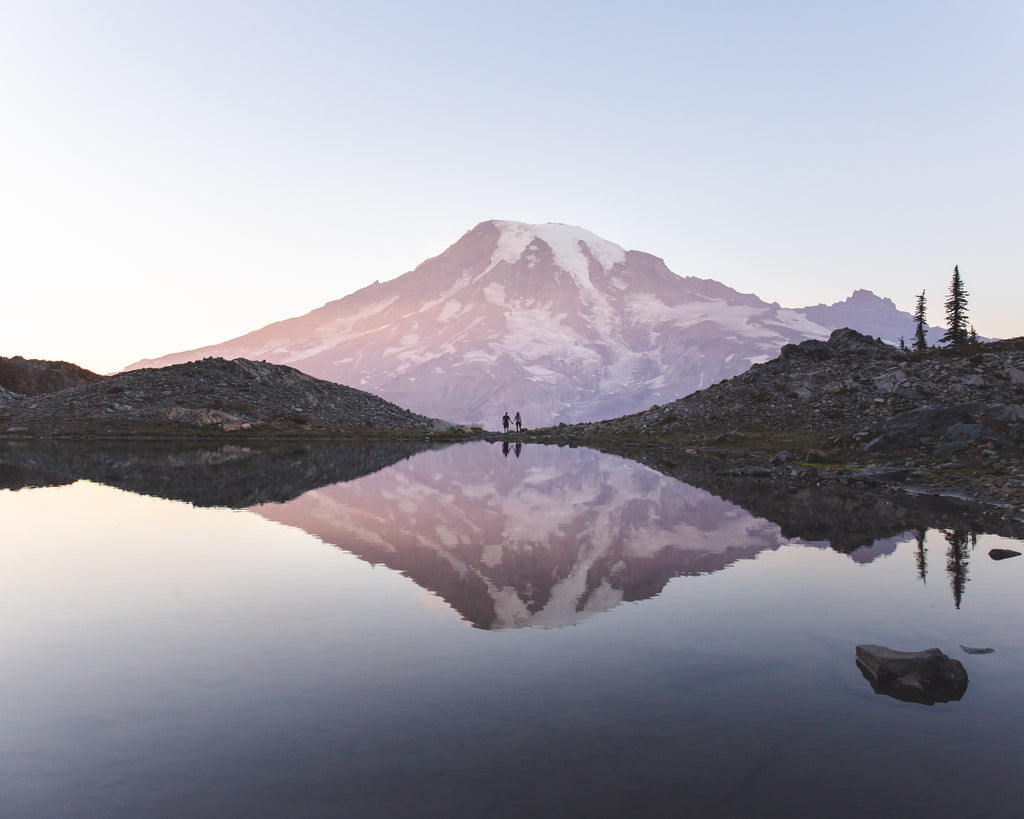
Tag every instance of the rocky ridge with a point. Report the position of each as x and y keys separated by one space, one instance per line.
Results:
x=850 y=384
x=856 y=409
x=210 y=396
x=30 y=376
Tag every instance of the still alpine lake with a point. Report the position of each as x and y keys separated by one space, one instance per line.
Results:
x=476 y=632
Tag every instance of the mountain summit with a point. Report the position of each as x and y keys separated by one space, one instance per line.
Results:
x=550 y=320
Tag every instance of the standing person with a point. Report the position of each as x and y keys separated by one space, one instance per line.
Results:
x=519 y=422
x=505 y=420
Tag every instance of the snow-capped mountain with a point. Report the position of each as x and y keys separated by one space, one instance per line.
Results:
x=549 y=319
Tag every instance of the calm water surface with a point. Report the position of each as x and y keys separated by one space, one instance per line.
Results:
x=468 y=633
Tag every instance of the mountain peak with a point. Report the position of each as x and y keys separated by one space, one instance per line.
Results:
x=548 y=319
x=862 y=296
x=572 y=247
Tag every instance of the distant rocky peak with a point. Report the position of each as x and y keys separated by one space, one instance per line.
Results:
x=860 y=299
x=862 y=296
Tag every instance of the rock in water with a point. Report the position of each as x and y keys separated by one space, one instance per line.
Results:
x=1002 y=554
x=925 y=677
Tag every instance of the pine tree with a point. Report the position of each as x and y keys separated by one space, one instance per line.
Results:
x=920 y=342
x=956 y=312
x=974 y=335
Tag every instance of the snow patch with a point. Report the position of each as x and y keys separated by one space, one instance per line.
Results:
x=564 y=241
x=495 y=293
x=449 y=311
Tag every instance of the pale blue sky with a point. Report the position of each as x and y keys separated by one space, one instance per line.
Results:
x=176 y=173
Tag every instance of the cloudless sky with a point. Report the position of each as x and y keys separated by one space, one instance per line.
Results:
x=173 y=174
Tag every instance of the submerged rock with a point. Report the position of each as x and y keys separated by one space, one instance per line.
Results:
x=925 y=677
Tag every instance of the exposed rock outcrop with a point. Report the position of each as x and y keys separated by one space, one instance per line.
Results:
x=30 y=376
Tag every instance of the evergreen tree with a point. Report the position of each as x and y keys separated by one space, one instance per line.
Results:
x=920 y=342
x=956 y=312
x=974 y=336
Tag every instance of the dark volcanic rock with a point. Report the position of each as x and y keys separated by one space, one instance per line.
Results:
x=30 y=376
x=925 y=677
x=208 y=396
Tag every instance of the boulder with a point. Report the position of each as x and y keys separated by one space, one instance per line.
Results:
x=1011 y=413
x=888 y=441
x=922 y=419
x=812 y=349
x=890 y=381
x=925 y=677
x=1002 y=554
x=959 y=433
x=845 y=340
x=879 y=474
x=949 y=448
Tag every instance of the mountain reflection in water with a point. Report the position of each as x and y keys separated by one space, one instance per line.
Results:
x=546 y=539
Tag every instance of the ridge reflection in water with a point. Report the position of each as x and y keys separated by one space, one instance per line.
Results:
x=160 y=659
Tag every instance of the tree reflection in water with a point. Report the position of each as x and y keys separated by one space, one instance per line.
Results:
x=956 y=562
